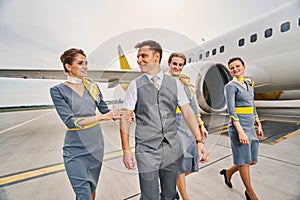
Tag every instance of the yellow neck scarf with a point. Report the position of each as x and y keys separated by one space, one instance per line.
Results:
x=92 y=88
x=241 y=79
x=186 y=81
x=251 y=82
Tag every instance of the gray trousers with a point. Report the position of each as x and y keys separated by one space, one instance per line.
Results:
x=158 y=167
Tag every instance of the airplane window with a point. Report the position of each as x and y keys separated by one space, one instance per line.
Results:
x=214 y=51
x=299 y=21
x=201 y=56
x=207 y=54
x=241 y=42
x=253 y=38
x=285 y=27
x=268 y=32
x=190 y=60
x=222 y=48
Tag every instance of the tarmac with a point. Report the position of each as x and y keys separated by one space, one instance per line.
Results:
x=31 y=165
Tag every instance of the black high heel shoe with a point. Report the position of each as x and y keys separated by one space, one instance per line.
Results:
x=247 y=196
x=223 y=172
x=177 y=195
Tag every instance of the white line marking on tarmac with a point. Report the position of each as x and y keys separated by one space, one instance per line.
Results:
x=16 y=126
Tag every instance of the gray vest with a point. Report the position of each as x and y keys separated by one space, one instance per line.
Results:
x=155 y=112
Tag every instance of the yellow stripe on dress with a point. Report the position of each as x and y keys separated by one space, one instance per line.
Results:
x=234 y=118
x=84 y=127
x=244 y=110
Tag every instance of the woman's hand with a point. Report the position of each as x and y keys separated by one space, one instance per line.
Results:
x=243 y=138
x=260 y=132
x=112 y=115
x=129 y=160
x=118 y=113
x=203 y=131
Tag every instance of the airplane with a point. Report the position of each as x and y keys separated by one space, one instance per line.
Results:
x=270 y=46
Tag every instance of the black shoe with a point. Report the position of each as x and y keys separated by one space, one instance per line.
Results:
x=247 y=196
x=223 y=172
x=177 y=195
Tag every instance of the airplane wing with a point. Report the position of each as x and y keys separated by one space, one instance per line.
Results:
x=112 y=77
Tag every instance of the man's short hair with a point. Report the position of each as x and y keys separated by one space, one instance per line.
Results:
x=154 y=46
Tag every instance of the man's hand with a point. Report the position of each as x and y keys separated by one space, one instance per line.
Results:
x=199 y=147
x=204 y=155
x=129 y=160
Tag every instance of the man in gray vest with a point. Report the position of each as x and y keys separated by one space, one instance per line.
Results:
x=153 y=98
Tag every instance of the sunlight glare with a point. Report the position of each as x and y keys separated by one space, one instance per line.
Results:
x=161 y=7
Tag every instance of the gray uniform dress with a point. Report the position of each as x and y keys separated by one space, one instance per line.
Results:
x=83 y=149
x=187 y=140
x=237 y=96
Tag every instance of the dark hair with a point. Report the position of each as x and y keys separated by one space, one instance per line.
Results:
x=180 y=55
x=153 y=46
x=234 y=59
x=68 y=56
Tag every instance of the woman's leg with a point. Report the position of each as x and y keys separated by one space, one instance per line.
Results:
x=181 y=185
x=245 y=176
x=230 y=172
x=233 y=169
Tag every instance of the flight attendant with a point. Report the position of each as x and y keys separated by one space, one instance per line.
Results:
x=75 y=101
x=243 y=115
x=191 y=156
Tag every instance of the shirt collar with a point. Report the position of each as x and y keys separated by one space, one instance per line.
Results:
x=160 y=75
x=235 y=79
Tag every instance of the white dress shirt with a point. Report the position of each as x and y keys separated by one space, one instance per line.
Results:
x=131 y=94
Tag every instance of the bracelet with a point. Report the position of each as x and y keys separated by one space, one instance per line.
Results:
x=201 y=123
x=199 y=141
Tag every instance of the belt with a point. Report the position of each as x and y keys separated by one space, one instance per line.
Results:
x=244 y=110
x=85 y=127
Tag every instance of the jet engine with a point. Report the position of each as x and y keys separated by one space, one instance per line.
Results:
x=209 y=79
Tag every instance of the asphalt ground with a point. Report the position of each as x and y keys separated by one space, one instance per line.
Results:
x=31 y=165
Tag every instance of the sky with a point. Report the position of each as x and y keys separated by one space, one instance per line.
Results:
x=34 y=33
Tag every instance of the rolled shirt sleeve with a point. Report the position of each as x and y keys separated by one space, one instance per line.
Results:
x=130 y=96
x=181 y=95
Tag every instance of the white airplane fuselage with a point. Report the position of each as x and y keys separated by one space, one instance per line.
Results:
x=270 y=47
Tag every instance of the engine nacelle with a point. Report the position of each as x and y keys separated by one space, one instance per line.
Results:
x=209 y=79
